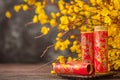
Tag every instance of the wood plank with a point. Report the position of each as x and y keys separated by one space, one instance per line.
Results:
x=32 y=72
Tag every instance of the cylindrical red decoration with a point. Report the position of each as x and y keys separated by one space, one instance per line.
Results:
x=75 y=68
x=87 y=47
x=100 y=49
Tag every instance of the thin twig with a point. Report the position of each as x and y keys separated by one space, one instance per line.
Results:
x=39 y=36
x=64 y=33
x=47 y=63
x=29 y=23
x=43 y=66
x=46 y=50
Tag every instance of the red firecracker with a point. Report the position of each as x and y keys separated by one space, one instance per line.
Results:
x=87 y=47
x=100 y=49
x=74 y=67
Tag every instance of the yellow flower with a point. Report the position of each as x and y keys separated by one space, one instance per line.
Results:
x=53 y=22
x=86 y=13
x=53 y=72
x=45 y=30
x=67 y=42
x=52 y=1
x=57 y=45
x=104 y=12
x=116 y=4
x=35 y=19
x=72 y=36
x=69 y=59
x=75 y=47
x=80 y=4
x=64 y=11
x=114 y=13
x=63 y=27
x=58 y=14
x=62 y=48
x=76 y=9
x=86 y=7
x=96 y=17
x=61 y=4
x=44 y=2
x=70 y=10
x=75 y=42
x=30 y=2
x=60 y=34
x=99 y=2
x=79 y=55
x=108 y=67
x=43 y=18
x=53 y=63
x=53 y=15
x=8 y=14
x=83 y=28
x=57 y=38
x=116 y=66
x=61 y=59
x=64 y=20
x=93 y=2
x=17 y=8
x=73 y=18
x=25 y=7
x=107 y=20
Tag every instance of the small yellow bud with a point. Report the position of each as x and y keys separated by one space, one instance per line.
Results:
x=53 y=22
x=58 y=14
x=79 y=55
x=53 y=64
x=35 y=19
x=72 y=36
x=17 y=8
x=45 y=30
x=69 y=59
x=52 y=1
x=53 y=15
x=75 y=42
x=59 y=34
x=64 y=20
x=53 y=72
x=8 y=14
x=25 y=7
x=57 y=38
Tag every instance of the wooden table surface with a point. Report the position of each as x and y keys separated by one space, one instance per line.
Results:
x=32 y=72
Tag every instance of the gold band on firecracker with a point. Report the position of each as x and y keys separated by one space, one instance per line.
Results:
x=87 y=47
x=100 y=28
x=100 y=49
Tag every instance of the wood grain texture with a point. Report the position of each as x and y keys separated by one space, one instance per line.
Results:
x=33 y=72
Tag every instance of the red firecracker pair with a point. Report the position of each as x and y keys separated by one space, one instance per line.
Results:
x=94 y=48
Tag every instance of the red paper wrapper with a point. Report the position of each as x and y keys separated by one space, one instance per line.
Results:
x=75 y=68
x=87 y=47
x=100 y=49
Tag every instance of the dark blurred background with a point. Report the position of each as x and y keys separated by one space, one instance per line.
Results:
x=17 y=42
